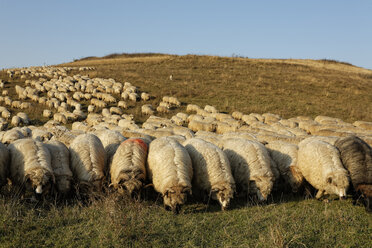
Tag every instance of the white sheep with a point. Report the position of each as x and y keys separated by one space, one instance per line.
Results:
x=31 y=166
x=320 y=164
x=212 y=172
x=110 y=140
x=88 y=162
x=285 y=156
x=251 y=166
x=60 y=162
x=169 y=167
x=127 y=170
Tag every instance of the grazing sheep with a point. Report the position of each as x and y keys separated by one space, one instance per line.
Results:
x=16 y=121
x=122 y=104
x=201 y=126
x=12 y=135
x=237 y=115
x=110 y=140
x=128 y=171
x=59 y=117
x=88 y=161
x=162 y=109
x=356 y=156
x=212 y=172
x=210 y=109
x=31 y=166
x=145 y=96
x=60 y=162
x=47 y=113
x=147 y=109
x=24 y=118
x=285 y=156
x=251 y=166
x=169 y=167
x=4 y=164
x=320 y=164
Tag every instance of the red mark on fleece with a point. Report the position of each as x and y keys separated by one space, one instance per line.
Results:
x=137 y=141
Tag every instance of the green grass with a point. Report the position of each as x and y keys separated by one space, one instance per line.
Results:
x=117 y=222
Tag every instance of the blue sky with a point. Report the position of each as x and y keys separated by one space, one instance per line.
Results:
x=49 y=32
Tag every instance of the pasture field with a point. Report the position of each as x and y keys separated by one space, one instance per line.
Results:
x=286 y=87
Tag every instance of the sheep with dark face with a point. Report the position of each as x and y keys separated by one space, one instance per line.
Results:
x=128 y=171
x=4 y=164
x=31 y=166
x=169 y=167
x=356 y=156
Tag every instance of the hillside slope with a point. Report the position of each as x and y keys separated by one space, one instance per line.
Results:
x=285 y=87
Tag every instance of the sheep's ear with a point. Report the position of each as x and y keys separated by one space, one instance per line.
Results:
x=329 y=180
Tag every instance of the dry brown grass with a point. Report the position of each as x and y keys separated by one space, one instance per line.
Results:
x=285 y=87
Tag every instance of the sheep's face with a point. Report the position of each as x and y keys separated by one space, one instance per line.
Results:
x=63 y=185
x=40 y=182
x=295 y=178
x=175 y=197
x=223 y=197
x=262 y=188
x=337 y=184
x=131 y=181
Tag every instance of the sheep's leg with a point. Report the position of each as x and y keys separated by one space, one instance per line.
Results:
x=319 y=194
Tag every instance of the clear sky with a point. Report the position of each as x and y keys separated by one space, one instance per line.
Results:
x=38 y=32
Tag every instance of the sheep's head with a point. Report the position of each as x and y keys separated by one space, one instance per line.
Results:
x=262 y=187
x=40 y=181
x=337 y=184
x=130 y=181
x=223 y=195
x=175 y=197
x=63 y=184
x=295 y=178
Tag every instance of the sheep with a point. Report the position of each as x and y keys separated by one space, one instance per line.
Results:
x=320 y=164
x=122 y=104
x=88 y=162
x=192 y=108
x=145 y=96
x=237 y=115
x=4 y=164
x=162 y=109
x=59 y=117
x=251 y=166
x=12 y=135
x=285 y=156
x=128 y=171
x=147 y=109
x=210 y=109
x=16 y=121
x=212 y=172
x=201 y=126
x=31 y=166
x=60 y=163
x=24 y=118
x=169 y=167
x=110 y=140
x=116 y=110
x=356 y=156
x=41 y=134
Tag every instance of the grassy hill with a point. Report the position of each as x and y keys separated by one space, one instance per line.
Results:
x=285 y=87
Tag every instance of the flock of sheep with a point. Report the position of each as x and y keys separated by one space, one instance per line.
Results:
x=202 y=152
